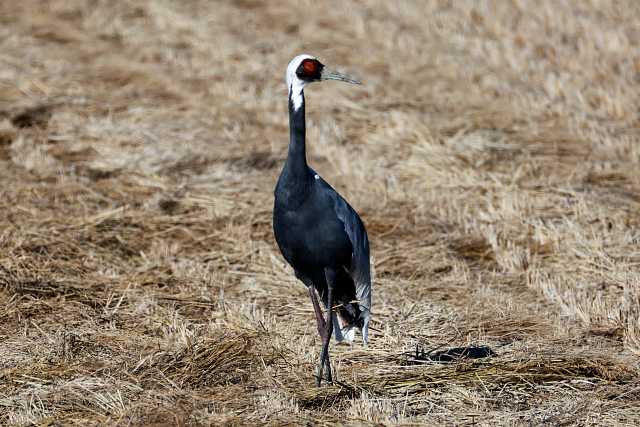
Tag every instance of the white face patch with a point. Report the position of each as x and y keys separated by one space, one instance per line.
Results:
x=294 y=84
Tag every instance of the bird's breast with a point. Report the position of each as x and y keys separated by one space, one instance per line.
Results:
x=310 y=232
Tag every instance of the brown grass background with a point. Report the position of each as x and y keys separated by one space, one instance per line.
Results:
x=492 y=152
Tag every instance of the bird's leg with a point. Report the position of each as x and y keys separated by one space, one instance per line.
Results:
x=316 y=307
x=325 y=334
x=329 y=326
x=325 y=327
x=322 y=327
x=325 y=331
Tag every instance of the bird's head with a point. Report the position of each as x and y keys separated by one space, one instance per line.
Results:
x=305 y=69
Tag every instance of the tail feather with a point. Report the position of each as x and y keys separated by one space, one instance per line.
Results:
x=342 y=329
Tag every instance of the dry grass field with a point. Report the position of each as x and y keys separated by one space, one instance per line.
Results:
x=493 y=152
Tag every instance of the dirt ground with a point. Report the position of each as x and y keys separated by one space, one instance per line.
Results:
x=493 y=153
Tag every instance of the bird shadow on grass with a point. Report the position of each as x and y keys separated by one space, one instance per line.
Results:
x=456 y=354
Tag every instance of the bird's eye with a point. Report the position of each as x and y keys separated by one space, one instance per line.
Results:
x=309 y=65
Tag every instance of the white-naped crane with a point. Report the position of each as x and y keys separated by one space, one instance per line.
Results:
x=318 y=232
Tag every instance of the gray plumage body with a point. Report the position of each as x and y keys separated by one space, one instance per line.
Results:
x=319 y=234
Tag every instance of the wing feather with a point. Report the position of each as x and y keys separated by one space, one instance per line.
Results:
x=359 y=270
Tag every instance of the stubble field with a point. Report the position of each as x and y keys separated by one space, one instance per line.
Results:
x=493 y=153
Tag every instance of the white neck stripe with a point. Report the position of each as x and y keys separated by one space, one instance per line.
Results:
x=296 y=96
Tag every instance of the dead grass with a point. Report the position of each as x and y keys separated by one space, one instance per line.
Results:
x=492 y=153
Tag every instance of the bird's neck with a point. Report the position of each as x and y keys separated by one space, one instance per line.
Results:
x=296 y=164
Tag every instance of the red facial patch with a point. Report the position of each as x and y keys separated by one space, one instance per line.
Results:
x=309 y=66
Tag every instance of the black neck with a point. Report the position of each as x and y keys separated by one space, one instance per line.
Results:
x=296 y=164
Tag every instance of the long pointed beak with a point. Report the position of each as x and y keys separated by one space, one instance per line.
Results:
x=329 y=74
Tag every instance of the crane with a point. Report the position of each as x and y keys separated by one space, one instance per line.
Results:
x=319 y=234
